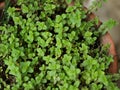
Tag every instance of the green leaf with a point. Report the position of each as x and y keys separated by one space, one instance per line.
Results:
x=70 y=9
x=68 y=1
x=31 y=55
x=66 y=29
x=26 y=78
x=16 y=20
x=48 y=41
x=24 y=8
x=66 y=59
x=84 y=48
x=41 y=42
x=102 y=78
x=84 y=88
x=64 y=16
x=107 y=26
x=30 y=69
x=11 y=11
x=30 y=37
x=87 y=34
x=34 y=61
x=19 y=2
x=3 y=50
x=49 y=59
x=77 y=83
x=59 y=43
x=15 y=54
x=58 y=18
x=40 y=52
x=36 y=4
x=12 y=38
x=71 y=36
x=28 y=86
x=53 y=66
x=67 y=45
x=58 y=28
x=39 y=78
x=41 y=26
x=46 y=35
x=24 y=66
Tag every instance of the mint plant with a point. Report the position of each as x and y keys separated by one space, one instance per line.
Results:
x=49 y=45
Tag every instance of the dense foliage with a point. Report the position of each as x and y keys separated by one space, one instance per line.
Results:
x=48 y=45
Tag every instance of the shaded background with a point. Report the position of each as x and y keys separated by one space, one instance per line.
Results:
x=111 y=9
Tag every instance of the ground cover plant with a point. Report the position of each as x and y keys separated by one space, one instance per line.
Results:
x=49 y=45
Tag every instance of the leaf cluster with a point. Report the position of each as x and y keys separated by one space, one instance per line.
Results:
x=48 y=45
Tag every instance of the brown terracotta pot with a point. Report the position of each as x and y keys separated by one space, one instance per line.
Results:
x=106 y=39
x=2 y=4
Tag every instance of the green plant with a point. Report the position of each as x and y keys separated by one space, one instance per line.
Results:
x=48 y=45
